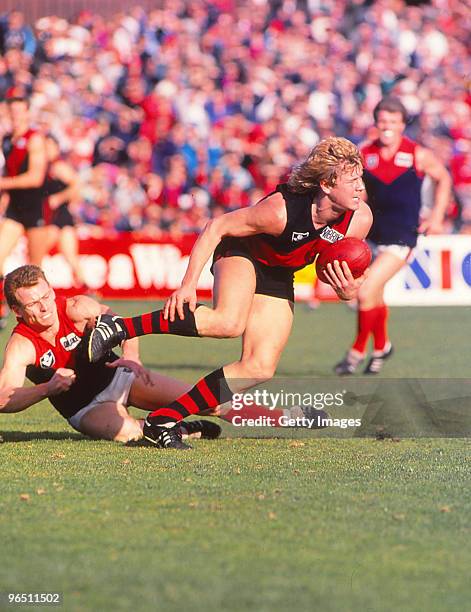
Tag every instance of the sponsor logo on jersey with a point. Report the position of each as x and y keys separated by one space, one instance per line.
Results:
x=404 y=160
x=372 y=160
x=70 y=341
x=331 y=235
x=298 y=236
x=47 y=359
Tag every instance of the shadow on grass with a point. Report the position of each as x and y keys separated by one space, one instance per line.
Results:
x=30 y=436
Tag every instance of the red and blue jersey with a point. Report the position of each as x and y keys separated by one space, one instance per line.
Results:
x=394 y=193
x=65 y=353
x=300 y=242
x=62 y=353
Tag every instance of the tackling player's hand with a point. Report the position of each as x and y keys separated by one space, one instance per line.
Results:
x=62 y=380
x=341 y=280
x=177 y=299
x=137 y=368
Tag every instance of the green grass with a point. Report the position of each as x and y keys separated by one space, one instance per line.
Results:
x=247 y=524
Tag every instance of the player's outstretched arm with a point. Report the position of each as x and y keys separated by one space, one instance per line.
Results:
x=266 y=217
x=19 y=353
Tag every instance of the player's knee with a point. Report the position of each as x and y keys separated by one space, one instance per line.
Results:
x=231 y=328
x=366 y=295
x=260 y=369
x=130 y=431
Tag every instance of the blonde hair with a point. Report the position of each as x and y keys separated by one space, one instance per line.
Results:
x=325 y=162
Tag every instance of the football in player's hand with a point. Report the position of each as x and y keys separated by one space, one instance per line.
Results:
x=352 y=250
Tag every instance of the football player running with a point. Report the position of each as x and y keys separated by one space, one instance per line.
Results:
x=256 y=252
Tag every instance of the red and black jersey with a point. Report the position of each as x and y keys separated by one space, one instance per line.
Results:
x=60 y=216
x=300 y=242
x=394 y=193
x=25 y=205
x=65 y=353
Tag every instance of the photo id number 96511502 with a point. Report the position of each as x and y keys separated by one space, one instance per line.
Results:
x=12 y=598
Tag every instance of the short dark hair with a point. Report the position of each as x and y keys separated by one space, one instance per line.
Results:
x=24 y=276
x=391 y=105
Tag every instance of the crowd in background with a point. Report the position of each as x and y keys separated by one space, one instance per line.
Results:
x=197 y=107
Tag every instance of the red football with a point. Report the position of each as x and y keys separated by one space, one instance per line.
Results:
x=352 y=250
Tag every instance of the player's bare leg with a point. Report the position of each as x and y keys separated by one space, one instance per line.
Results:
x=68 y=246
x=10 y=233
x=265 y=337
x=383 y=268
x=372 y=316
x=266 y=332
x=233 y=293
x=234 y=288
x=111 y=421
x=38 y=244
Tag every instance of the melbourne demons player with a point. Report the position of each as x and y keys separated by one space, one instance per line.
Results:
x=45 y=346
x=24 y=150
x=256 y=252
x=394 y=170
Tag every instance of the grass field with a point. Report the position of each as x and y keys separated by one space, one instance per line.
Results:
x=246 y=523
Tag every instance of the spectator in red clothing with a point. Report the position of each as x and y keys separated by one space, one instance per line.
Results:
x=461 y=174
x=257 y=82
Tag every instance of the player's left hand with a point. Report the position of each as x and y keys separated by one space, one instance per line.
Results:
x=137 y=368
x=341 y=280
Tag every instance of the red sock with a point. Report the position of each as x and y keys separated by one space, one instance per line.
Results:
x=252 y=412
x=366 y=323
x=380 y=329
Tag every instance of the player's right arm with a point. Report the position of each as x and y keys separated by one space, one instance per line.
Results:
x=20 y=353
x=37 y=166
x=266 y=217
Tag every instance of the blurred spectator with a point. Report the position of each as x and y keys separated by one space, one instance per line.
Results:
x=225 y=96
x=15 y=34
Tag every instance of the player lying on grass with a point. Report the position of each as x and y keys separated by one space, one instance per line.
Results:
x=46 y=347
x=256 y=252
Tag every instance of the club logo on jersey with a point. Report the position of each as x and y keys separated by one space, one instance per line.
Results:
x=404 y=160
x=372 y=160
x=20 y=143
x=47 y=359
x=298 y=236
x=331 y=235
x=70 y=341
